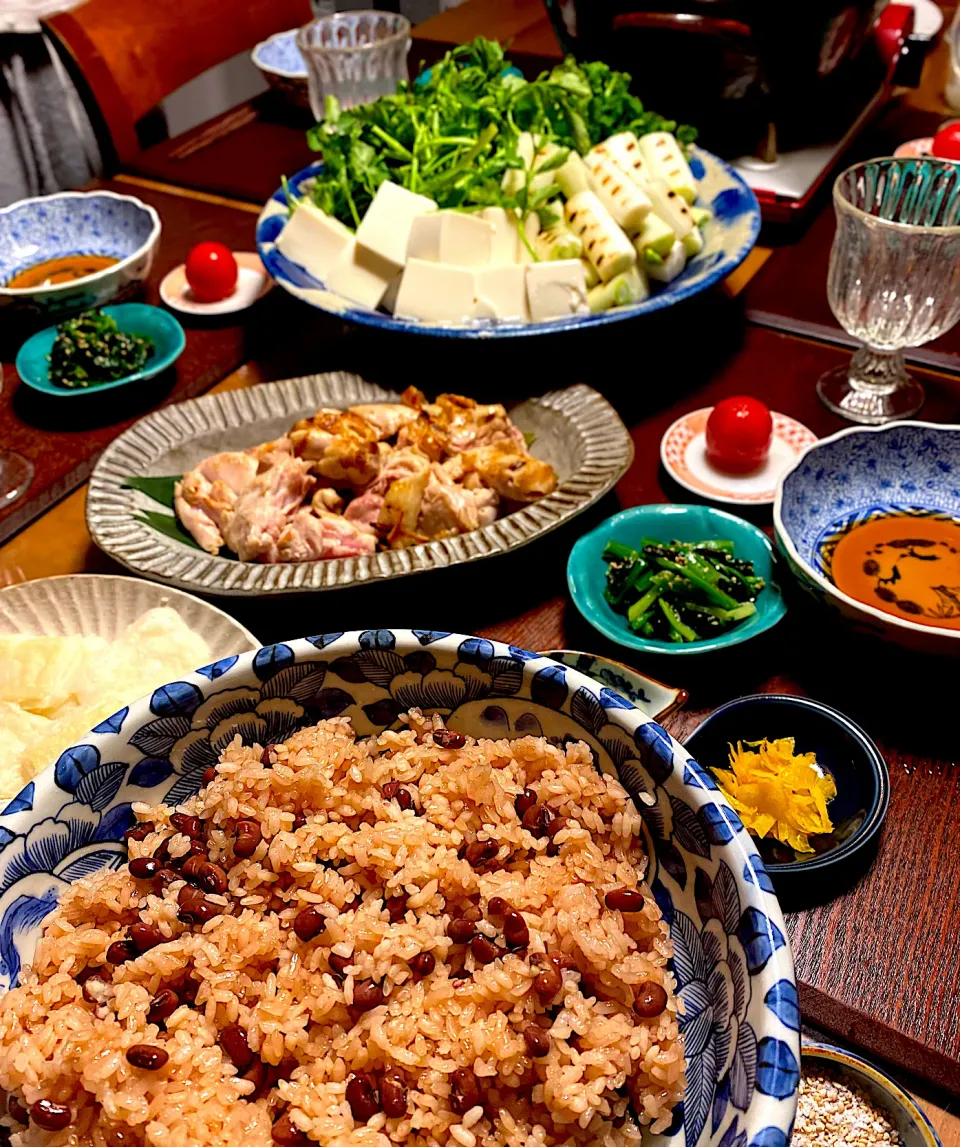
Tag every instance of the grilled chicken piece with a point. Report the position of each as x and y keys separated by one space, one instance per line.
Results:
x=467 y=424
x=205 y=496
x=512 y=472
x=311 y=537
x=448 y=509
x=263 y=510
x=341 y=445
x=428 y=438
x=385 y=417
x=326 y=500
x=277 y=446
x=392 y=502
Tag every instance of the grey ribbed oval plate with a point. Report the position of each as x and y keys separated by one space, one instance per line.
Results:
x=576 y=430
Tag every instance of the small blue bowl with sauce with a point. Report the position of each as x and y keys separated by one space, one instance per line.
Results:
x=33 y=359
x=842 y=749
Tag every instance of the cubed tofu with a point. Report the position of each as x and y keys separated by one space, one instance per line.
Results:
x=556 y=289
x=502 y=292
x=503 y=248
x=671 y=266
x=361 y=276
x=384 y=230
x=313 y=239
x=424 y=241
x=465 y=240
x=389 y=301
x=436 y=292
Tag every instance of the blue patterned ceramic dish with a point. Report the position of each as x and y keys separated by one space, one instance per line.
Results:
x=33 y=358
x=854 y=475
x=586 y=571
x=913 y=1127
x=283 y=66
x=76 y=223
x=732 y=958
x=650 y=696
x=729 y=237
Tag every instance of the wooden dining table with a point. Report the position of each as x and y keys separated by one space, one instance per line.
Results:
x=878 y=961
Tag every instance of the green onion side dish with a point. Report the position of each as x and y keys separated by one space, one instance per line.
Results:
x=91 y=349
x=680 y=591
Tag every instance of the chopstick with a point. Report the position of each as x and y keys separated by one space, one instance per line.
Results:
x=223 y=127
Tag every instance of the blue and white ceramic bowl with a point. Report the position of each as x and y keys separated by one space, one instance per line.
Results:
x=732 y=959
x=728 y=239
x=76 y=223
x=857 y=474
x=283 y=66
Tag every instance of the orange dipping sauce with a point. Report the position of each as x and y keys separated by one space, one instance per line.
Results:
x=905 y=565
x=63 y=270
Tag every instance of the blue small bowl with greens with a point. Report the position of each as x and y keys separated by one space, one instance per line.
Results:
x=33 y=359
x=587 y=571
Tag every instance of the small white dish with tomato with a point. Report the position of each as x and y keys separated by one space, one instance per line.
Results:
x=734 y=452
x=215 y=281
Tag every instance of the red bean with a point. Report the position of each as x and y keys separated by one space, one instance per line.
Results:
x=249 y=835
x=548 y=983
x=139 y=831
x=650 y=1000
x=199 y=911
x=338 y=965
x=481 y=852
x=497 y=906
x=484 y=950
x=524 y=802
x=423 y=964
x=146 y=936
x=448 y=739
x=163 y=878
x=211 y=877
x=209 y=776
x=120 y=951
x=624 y=900
x=362 y=1097
x=537 y=1041
x=396 y=906
x=288 y=1134
x=191 y=825
x=537 y=820
x=147 y=1057
x=464 y=1092
x=191 y=868
x=266 y=759
x=233 y=1040
x=50 y=1116
x=144 y=867
x=515 y=930
x=93 y=990
x=309 y=923
x=16 y=1110
x=553 y=849
x=162 y=1006
x=393 y=1094
x=91 y=970
x=461 y=931
x=367 y=995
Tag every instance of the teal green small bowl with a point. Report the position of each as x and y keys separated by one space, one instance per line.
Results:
x=586 y=571
x=33 y=359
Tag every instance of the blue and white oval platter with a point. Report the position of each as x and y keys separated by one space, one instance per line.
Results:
x=732 y=958
x=728 y=239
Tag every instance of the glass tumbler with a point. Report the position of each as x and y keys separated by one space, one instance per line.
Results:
x=355 y=56
x=894 y=279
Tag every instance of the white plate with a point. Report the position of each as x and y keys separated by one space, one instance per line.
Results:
x=683 y=451
x=253 y=282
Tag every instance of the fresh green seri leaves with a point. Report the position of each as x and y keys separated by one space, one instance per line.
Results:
x=452 y=133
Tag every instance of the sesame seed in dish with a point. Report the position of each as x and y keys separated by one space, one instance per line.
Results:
x=835 y=1113
x=417 y=938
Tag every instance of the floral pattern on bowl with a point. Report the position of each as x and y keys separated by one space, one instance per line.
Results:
x=77 y=223
x=854 y=475
x=651 y=697
x=732 y=958
x=280 y=60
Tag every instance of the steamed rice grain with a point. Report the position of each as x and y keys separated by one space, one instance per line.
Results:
x=374 y=880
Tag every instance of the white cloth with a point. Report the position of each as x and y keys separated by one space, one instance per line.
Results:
x=24 y=15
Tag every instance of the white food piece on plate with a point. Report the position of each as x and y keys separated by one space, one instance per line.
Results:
x=573 y=177
x=624 y=149
x=693 y=242
x=671 y=207
x=531 y=229
x=655 y=235
x=558 y=242
x=436 y=292
x=607 y=247
x=626 y=289
x=556 y=289
x=465 y=240
x=361 y=276
x=666 y=161
x=424 y=240
x=503 y=248
x=627 y=203
x=502 y=292
x=313 y=239
x=389 y=301
x=384 y=230
x=674 y=263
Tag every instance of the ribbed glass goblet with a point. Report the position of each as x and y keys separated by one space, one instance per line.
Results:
x=355 y=56
x=894 y=279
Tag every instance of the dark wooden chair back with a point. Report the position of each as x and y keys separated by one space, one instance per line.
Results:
x=131 y=54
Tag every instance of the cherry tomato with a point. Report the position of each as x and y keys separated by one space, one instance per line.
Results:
x=211 y=272
x=946 y=143
x=739 y=432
